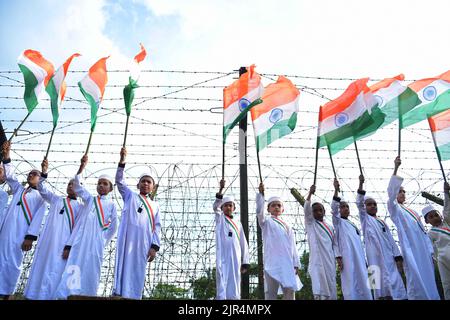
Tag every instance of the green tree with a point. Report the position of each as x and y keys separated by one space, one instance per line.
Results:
x=165 y=291
x=204 y=288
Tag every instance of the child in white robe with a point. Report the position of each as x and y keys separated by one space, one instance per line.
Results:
x=281 y=261
x=322 y=250
x=383 y=255
x=48 y=264
x=232 y=257
x=416 y=246
x=21 y=224
x=440 y=236
x=96 y=226
x=139 y=234
x=352 y=265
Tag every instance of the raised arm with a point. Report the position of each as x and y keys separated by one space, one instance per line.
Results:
x=45 y=193
x=260 y=205
x=81 y=191
x=125 y=192
x=360 y=201
x=218 y=201
x=309 y=219
x=394 y=187
x=335 y=204
x=10 y=176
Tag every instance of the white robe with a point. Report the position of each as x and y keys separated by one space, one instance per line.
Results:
x=231 y=253
x=13 y=230
x=280 y=252
x=83 y=268
x=48 y=264
x=322 y=253
x=3 y=204
x=134 y=241
x=416 y=247
x=354 y=276
x=440 y=236
x=381 y=249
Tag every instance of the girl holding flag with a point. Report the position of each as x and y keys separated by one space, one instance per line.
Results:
x=96 y=226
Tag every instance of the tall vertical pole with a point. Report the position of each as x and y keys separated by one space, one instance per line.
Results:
x=245 y=288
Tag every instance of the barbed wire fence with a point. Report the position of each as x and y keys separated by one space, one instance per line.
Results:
x=176 y=133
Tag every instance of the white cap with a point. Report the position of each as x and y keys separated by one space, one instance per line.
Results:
x=427 y=210
x=227 y=199
x=106 y=177
x=274 y=198
x=368 y=197
x=145 y=174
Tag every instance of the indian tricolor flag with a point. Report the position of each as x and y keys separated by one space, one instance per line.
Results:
x=393 y=98
x=92 y=87
x=342 y=120
x=37 y=72
x=440 y=128
x=128 y=91
x=239 y=98
x=56 y=88
x=434 y=94
x=276 y=116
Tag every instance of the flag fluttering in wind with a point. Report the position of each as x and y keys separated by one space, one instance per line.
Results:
x=434 y=94
x=440 y=128
x=239 y=98
x=56 y=88
x=276 y=116
x=347 y=118
x=92 y=87
x=37 y=72
x=128 y=91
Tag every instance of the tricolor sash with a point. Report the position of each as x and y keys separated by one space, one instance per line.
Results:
x=281 y=223
x=149 y=210
x=100 y=213
x=233 y=226
x=25 y=207
x=414 y=216
x=326 y=228
x=353 y=225
x=69 y=212
x=442 y=230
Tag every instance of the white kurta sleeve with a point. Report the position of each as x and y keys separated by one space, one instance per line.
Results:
x=394 y=187
x=125 y=192
x=216 y=208
x=260 y=209
x=446 y=210
x=309 y=219
x=80 y=190
x=335 y=213
x=361 y=208
x=36 y=223
x=45 y=193
x=244 y=247
x=11 y=179
x=156 y=239
x=113 y=226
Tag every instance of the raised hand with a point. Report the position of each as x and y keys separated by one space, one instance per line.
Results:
x=123 y=155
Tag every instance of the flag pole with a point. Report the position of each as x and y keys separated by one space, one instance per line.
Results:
x=223 y=160
x=400 y=125
x=437 y=151
x=259 y=166
x=89 y=142
x=20 y=125
x=332 y=164
x=317 y=147
x=357 y=156
x=126 y=132
x=50 y=142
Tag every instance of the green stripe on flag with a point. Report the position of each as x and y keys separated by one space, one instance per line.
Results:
x=402 y=104
x=227 y=129
x=92 y=103
x=440 y=104
x=280 y=129
x=444 y=152
x=53 y=93
x=31 y=83
x=128 y=94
